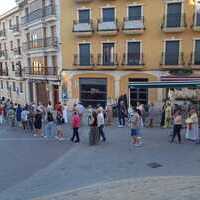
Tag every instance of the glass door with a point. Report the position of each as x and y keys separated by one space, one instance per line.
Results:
x=108 y=54
x=174 y=14
x=172 y=53
x=84 y=54
x=133 y=57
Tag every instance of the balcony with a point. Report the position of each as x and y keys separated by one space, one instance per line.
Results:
x=3 y=72
x=195 y=60
x=19 y=73
x=41 y=71
x=2 y=34
x=196 y=22
x=17 y=52
x=3 y=55
x=172 y=61
x=83 y=1
x=173 y=23
x=107 y=27
x=42 y=44
x=84 y=62
x=47 y=13
x=108 y=61
x=133 y=60
x=83 y=29
x=133 y=26
x=15 y=29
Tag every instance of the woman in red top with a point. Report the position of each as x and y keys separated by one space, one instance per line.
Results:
x=1 y=114
x=76 y=121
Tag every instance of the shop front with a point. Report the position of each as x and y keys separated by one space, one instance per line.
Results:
x=93 y=91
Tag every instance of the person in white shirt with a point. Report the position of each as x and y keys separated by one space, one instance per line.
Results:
x=24 y=118
x=101 y=123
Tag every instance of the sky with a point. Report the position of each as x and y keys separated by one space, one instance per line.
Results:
x=6 y=5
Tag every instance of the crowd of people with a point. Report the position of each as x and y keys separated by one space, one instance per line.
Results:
x=48 y=121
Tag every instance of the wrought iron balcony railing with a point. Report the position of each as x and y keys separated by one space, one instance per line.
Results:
x=50 y=42
x=133 y=59
x=41 y=71
x=87 y=60
x=107 y=60
x=39 y=14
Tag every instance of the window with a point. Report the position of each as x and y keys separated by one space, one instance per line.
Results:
x=108 y=14
x=10 y=23
x=198 y=13
x=14 y=86
x=174 y=13
x=21 y=87
x=11 y=45
x=7 y=85
x=108 y=53
x=197 y=52
x=1 y=84
x=133 y=56
x=134 y=13
x=138 y=95
x=84 y=54
x=13 y=66
x=84 y=16
x=172 y=52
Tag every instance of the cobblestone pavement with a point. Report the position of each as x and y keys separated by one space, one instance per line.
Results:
x=83 y=166
x=151 y=188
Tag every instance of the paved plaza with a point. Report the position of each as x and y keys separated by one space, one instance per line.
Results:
x=35 y=168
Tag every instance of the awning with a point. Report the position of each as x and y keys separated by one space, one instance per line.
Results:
x=162 y=84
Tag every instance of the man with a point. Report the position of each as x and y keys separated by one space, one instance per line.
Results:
x=24 y=118
x=101 y=123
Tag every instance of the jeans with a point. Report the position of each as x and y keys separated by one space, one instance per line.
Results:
x=1 y=119
x=121 y=119
x=49 y=130
x=75 y=134
x=177 y=132
x=101 y=132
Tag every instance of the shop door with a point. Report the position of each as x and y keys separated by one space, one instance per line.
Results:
x=55 y=95
x=138 y=95
x=42 y=93
x=93 y=91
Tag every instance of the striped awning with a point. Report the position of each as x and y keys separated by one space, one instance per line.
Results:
x=165 y=84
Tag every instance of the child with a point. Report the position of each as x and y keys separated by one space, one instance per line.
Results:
x=76 y=121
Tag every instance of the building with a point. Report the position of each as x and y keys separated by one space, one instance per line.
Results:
x=40 y=25
x=108 y=43
x=12 y=82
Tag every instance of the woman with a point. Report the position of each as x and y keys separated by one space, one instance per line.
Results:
x=76 y=121
x=94 y=134
x=49 y=129
x=18 y=115
x=65 y=113
x=193 y=127
x=38 y=123
x=151 y=115
x=60 y=129
x=177 y=126
x=109 y=110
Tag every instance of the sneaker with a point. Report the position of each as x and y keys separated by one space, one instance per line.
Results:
x=35 y=135
x=77 y=141
x=61 y=139
x=45 y=136
x=57 y=137
x=120 y=126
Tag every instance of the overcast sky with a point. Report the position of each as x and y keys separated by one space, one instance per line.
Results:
x=6 y=5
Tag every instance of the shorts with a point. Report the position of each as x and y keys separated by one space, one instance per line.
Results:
x=134 y=132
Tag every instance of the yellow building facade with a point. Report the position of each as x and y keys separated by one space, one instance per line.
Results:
x=108 y=43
